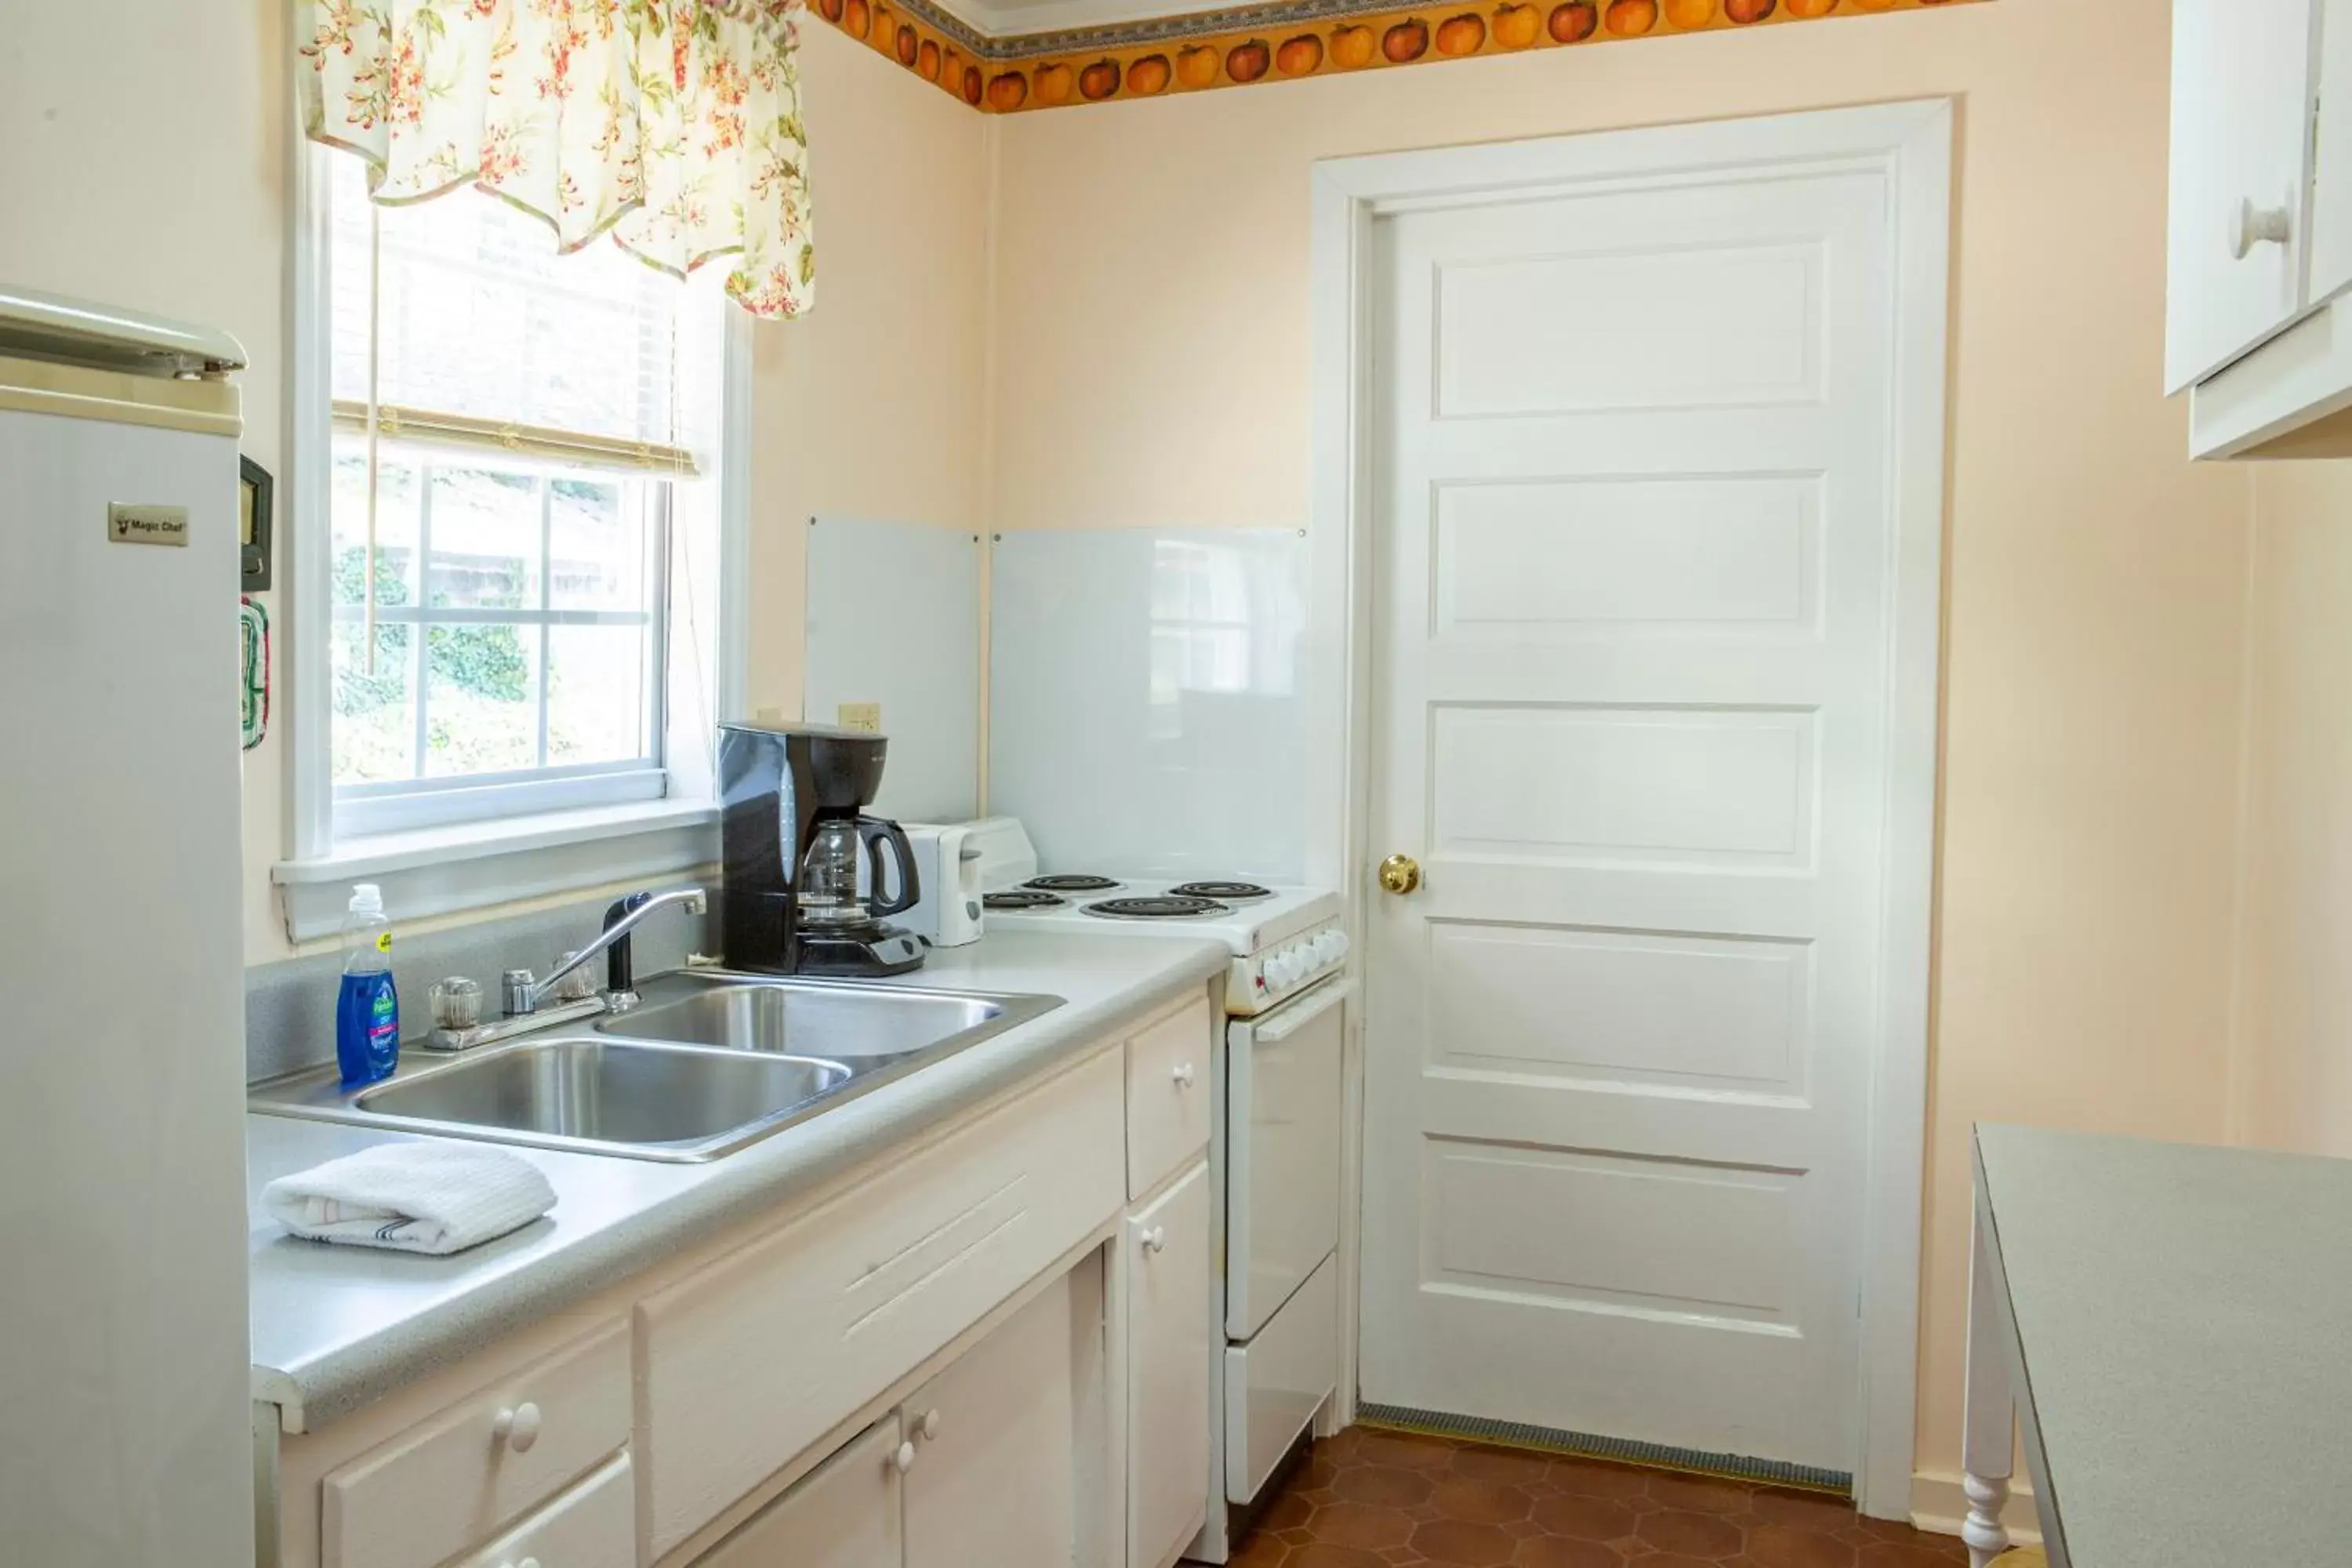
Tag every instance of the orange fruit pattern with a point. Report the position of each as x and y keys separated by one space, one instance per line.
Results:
x=1026 y=78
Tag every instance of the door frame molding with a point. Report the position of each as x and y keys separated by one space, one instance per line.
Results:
x=1911 y=143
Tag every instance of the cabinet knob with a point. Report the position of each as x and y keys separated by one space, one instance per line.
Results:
x=2250 y=226
x=1183 y=1075
x=903 y=1459
x=1155 y=1238
x=518 y=1427
x=927 y=1424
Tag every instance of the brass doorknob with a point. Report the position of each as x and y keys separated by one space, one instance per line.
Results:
x=1400 y=873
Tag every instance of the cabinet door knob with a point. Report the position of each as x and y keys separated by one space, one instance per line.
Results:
x=2250 y=226
x=518 y=1427
x=903 y=1459
x=1183 y=1075
x=927 y=1424
x=1155 y=1238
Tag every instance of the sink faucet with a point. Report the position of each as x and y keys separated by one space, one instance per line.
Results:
x=524 y=992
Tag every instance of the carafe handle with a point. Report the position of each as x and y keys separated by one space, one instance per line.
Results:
x=877 y=831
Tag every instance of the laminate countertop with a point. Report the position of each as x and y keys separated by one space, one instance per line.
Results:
x=2182 y=1314
x=335 y=1327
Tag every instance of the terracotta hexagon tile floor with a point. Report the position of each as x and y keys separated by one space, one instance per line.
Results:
x=1389 y=1499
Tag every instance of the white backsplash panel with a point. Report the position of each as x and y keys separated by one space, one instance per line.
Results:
x=894 y=621
x=1146 y=709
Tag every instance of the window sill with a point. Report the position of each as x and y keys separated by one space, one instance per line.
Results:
x=472 y=866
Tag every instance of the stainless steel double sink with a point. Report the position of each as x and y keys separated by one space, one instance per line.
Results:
x=710 y=1062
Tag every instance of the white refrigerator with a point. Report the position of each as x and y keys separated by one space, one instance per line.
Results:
x=125 y=1409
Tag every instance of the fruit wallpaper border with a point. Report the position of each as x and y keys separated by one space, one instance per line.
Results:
x=1275 y=42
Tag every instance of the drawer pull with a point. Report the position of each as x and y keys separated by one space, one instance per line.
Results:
x=1183 y=1075
x=2250 y=226
x=1155 y=1238
x=518 y=1427
x=903 y=1459
x=927 y=1424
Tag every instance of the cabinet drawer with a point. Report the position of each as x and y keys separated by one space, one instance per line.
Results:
x=1276 y=1384
x=1170 y=1098
x=456 y=1477
x=750 y=1361
x=593 y=1525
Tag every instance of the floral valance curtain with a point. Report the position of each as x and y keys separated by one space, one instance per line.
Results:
x=673 y=124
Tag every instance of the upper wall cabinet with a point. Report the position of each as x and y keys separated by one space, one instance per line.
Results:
x=2241 y=100
x=2258 y=321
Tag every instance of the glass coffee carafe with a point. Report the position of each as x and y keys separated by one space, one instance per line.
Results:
x=829 y=893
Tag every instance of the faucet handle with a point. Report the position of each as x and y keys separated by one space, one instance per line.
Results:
x=577 y=986
x=515 y=988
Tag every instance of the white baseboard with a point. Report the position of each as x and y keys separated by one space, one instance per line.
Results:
x=1937 y=1506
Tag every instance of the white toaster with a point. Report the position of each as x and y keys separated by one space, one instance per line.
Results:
x=946 y=911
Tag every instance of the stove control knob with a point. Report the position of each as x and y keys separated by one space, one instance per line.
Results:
x=1281 y=969
x=1331 y=946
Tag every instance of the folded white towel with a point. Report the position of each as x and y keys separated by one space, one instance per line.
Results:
x=411 y=1197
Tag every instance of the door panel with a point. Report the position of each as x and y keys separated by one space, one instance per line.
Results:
x=1598 y=557
x=994 y=1483
x=843 y=1514
x=1712 y=327
x=1168 y=1362
x=1629 y=669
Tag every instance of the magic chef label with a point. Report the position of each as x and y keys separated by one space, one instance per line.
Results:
x=129 y=524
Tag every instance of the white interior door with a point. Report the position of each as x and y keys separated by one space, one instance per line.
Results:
x=1630 y=666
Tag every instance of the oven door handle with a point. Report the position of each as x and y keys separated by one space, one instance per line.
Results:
x=1286 y=1019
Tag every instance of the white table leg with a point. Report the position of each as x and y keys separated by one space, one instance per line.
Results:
x=1987 y=1447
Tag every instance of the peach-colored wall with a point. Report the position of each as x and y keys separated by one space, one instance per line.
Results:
x=144 y=162
x=1153 y=364
x=870 y=407
x=2293 y=1088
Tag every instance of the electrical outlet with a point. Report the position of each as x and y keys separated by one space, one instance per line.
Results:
x=866 y=716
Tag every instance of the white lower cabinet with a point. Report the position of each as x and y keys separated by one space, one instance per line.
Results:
x=977 y=1469
x=1169 y=1323
x=458 y=1478
x=995 y=1459
x=845 y=1514
x=698 y=1385
x=747 y=1363
x=593 y=1525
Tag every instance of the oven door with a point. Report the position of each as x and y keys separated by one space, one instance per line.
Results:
x=1282 y=1151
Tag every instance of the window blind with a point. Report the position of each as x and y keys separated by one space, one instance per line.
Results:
x=487 y=338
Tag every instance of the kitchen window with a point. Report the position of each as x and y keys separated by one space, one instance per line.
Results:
x=531 y=648
x=525 y=455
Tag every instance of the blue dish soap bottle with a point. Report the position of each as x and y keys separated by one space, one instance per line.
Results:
x=367 y=1014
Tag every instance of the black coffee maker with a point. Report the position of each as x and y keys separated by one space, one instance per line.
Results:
x=792 y=831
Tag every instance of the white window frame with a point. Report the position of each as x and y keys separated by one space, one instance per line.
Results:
x=562 y=839
x=396 y=806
